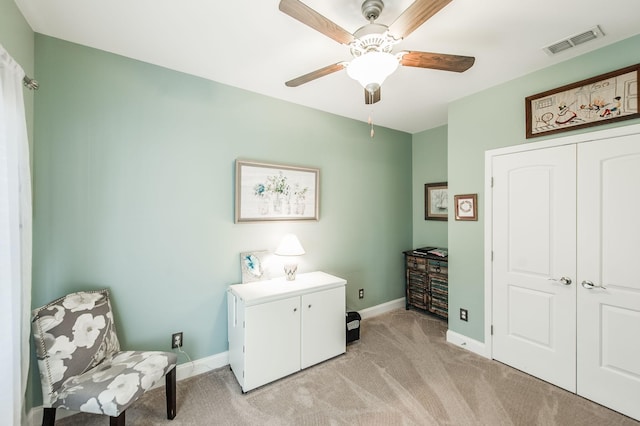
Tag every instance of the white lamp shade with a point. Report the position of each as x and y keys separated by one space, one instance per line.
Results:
x=290 y=246
x=371 y=69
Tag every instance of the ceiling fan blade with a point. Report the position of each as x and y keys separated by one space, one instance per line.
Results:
x=303 y=13
x=414 y=16
x=437 y=61
x=371 y=98
x=316 y=74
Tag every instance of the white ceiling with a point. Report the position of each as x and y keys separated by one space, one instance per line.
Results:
x=250 y=44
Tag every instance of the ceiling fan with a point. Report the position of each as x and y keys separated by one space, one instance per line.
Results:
x=372 y=44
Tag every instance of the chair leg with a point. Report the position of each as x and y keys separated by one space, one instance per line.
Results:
x=117 y=421
x=170 y=382
x=49 y=417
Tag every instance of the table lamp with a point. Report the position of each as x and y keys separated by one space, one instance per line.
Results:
x=290 y=247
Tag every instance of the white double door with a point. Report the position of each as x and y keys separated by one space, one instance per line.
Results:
x=566 y=267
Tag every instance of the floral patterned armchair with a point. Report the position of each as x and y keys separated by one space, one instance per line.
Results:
x=81 y=365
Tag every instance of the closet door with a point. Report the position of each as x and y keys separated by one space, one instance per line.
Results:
x=534 y=262
x=609 y=273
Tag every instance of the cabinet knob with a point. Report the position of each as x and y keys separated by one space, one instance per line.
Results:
x=309 y=306
x=295 y=309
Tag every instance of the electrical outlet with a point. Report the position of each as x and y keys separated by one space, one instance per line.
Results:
x=464 y=314
x=361 y=293
x=176 y=340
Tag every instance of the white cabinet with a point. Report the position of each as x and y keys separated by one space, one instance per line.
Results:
x=278 y=327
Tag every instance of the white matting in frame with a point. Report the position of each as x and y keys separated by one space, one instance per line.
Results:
x=272 y=192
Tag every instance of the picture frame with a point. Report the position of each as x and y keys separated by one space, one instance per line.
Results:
x=436 y=201
x=599 y=100
x=466 y=206
x=254 y=266
x=276 y=192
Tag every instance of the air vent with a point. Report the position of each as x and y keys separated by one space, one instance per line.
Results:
x=574 y=40
x=558 y=47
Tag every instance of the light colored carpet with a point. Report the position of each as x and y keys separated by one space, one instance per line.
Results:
x=400 y=372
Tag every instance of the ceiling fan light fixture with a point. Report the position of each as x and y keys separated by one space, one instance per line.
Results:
x=372 y=68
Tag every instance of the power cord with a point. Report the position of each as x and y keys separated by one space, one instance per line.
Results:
x=193 y=365
x=188 y=357
x=185 y=354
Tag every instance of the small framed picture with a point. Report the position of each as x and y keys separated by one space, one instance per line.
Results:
x=466 y=206
x=435 y=201
x=254 y=265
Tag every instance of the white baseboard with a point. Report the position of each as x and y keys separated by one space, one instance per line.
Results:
x=382 y=308
x=202 y=365
x=467 y=343
x=452 y=337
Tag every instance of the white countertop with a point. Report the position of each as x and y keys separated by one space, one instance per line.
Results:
x=258 y=292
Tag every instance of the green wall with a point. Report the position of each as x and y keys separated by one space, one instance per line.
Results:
x=134 y=184
x=17 y=39
x=134 y=170
x=429 y=165
x=491 y=119
x=16 y=35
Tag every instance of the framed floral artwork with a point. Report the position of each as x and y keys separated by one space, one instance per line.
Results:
x=466 y=206
x=436 y=201
x=272 y=192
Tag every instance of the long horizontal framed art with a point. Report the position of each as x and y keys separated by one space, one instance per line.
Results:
x=272 y=192
x=591 y=102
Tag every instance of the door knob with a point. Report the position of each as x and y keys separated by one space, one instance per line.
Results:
x=589 y=285
x=563 y=280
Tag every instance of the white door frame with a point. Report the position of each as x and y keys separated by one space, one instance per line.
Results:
x=488 y=207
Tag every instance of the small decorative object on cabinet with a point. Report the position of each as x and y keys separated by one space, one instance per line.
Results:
x=426 y=280
x=254 y=266
x=278 y=327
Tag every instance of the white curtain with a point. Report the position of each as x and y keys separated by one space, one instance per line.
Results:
x=15 y=243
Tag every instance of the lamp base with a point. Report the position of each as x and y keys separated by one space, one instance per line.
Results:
x=290 y=270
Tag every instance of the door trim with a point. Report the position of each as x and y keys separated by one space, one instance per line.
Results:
x=488 y=209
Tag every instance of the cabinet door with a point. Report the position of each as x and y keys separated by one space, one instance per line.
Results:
x=323 y=326
x=272 y=341
x=439 y=299
x=417 y=289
